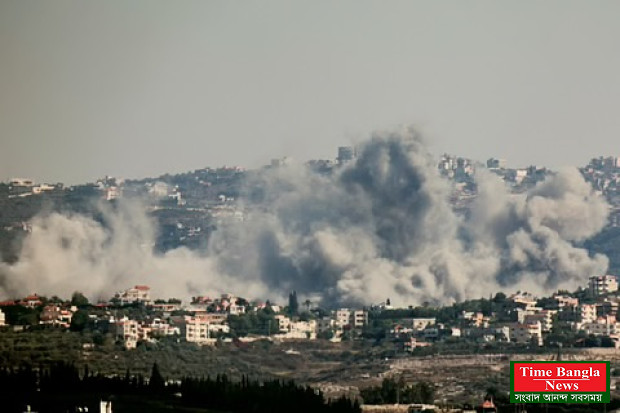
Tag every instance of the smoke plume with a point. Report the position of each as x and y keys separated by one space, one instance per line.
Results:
x=381 y=226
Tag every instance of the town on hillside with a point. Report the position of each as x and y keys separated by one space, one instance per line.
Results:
x=584 y=318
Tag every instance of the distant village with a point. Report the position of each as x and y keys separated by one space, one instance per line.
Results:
x=189 y=206
x=586 y=317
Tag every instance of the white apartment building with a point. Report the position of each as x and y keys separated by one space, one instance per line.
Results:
x=158 y=326
x=354 y=318
x=198 y=331
x=602 y=284
x=296 y=329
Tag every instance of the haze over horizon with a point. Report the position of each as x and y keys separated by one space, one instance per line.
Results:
x=141 y=88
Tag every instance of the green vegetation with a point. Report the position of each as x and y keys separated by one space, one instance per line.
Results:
x=62 y=387
x=262 y=322
x=392 y=391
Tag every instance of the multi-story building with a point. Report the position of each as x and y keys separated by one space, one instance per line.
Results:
x=602 y=284
x=160 y=327
x=2 y=319
x=607 y=307
x=129 y=331
x=545 y=317
x=200 y=330
x=283 y=322
x=602 y=326
x=475 y=319
x=527 y=311
x=526 y=333
x=564 y=301
x=359 y=318
x=525 y=299
x=296 y=329
x=137 y=294
x=57 y=316
x=31 y=301
x=352 y=318
x=587 y=313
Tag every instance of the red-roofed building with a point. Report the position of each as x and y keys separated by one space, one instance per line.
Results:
x=57 y=316
x=31 y=301
x=137 y=294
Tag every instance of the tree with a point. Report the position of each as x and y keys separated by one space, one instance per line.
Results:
x=156 y=382
x=79 y=300
x=79 y=321
x=293 y=304
x=500 y=297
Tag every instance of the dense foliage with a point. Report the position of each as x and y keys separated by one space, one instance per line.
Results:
x=62 y=387
x=392 y=391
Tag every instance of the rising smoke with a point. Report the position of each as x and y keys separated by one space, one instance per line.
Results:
x=381 y=226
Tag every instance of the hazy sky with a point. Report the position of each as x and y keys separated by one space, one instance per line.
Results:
x=139 y=88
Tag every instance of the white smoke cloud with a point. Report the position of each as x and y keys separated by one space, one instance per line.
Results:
x=379 y=227
x=66 y=253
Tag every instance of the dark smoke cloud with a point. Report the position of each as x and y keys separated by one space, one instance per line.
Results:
x=378 y=227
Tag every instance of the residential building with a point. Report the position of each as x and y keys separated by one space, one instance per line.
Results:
x=487 y=334
x=527 y=311
x=2 y=319
x=214 y=318
x=159 y=327
x=602 y=284
x=137 y=294
x=412 y=343
x=475 y=319
x=526 y=300
x=564 y=301
x=526 y=333
x=602 y=326
x=283 y=322
x=31 y=301
x=545 y=317
x=607 y=307
x=587 y=313
x=359 y=318
x=199 y=330
x=296 y=329
x=57 y=316
x=352 y=318
x=166 y=307
x=129 y=331
x=420 y=324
